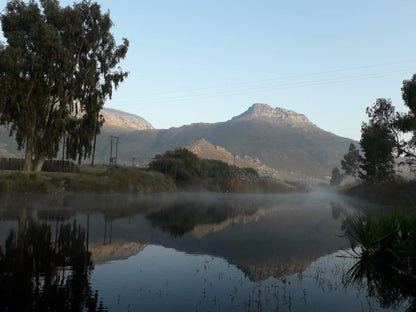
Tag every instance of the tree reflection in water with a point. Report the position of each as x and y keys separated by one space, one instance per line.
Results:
x=182 y=216
x=38 y=274
x=381 y=280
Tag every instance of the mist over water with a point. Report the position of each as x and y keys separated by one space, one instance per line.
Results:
x=206 y=252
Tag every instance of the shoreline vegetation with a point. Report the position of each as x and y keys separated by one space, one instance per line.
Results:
x=386 y=261
x=174 y=171
x=398 y=193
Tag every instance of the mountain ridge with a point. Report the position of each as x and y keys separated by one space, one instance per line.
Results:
x=122 y=121
x=280 y=139
x=204 y=149
x=277 y=114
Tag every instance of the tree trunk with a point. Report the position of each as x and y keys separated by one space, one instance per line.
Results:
x=39 y=163
x=27 y=166
x=93 y=149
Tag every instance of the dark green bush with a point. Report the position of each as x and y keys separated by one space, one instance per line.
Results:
x=191 y=172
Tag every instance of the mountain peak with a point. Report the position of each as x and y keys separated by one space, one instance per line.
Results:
x=280 y=115
x=258 y=107
x=122 y=121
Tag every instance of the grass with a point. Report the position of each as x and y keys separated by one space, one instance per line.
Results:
x=182 y=171
x=98 y=179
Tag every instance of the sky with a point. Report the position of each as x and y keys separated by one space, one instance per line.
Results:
x=208 y=61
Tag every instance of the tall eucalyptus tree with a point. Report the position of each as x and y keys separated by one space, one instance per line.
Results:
x=57 y=68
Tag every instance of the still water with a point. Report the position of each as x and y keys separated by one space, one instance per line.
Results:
x=180 y=252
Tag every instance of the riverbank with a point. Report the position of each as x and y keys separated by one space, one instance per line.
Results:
x=104 y=179
x=397 y=193
x=99 y=179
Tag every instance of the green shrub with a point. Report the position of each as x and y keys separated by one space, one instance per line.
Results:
x=386 y=262
x=390 y=236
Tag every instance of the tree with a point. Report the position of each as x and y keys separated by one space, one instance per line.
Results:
x=378 y=142
x=57 y=69
x=351 y=162
x=407 y=122
x=336 y=177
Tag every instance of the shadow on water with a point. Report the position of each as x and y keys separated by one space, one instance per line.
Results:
x=42 y=271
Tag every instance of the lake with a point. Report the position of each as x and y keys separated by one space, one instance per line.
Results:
x=181 y=252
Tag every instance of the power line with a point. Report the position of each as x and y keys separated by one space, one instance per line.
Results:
x=280 y=86
x=230 y=85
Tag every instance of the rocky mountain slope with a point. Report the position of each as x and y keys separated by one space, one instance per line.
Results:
x=204 y=149
x=275 y=115
x=116 y=121
x=278 y=138
x=119 y=121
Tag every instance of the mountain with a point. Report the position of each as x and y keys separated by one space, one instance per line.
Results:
x=8 y=146
x=116 y=121
x=275 y=115
x=280 y=139
x=204 y=149
x=119 y=121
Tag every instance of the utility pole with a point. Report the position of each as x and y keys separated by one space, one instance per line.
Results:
x=132 y=161
x=93 y=150
x=114 y=142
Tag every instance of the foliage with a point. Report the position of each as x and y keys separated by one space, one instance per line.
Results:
x=180 y=164
x=336 y=177
x=191 y=172
x=387 y=257
x=351 y=162
x=56 y=71
x=407 y=122
x=378 y=143
x=397 y=192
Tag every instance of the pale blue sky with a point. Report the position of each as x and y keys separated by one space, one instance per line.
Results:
x=207 y=61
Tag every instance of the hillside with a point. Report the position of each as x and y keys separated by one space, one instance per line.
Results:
x=119 y=121
x=8 y=146
x=116 y=122
x=280 y=139
x=204 y=149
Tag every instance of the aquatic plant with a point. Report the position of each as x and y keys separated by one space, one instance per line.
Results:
x=386 y=259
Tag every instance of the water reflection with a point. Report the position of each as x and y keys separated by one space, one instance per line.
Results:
x=183 y=215
x=174 y=247
x=385 y=259
x=39 y=273
x=262 y=235
x=393 y=289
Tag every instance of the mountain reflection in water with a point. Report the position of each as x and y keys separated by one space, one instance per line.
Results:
x=248 y=239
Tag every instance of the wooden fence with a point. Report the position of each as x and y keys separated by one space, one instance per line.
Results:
x=49 y=165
